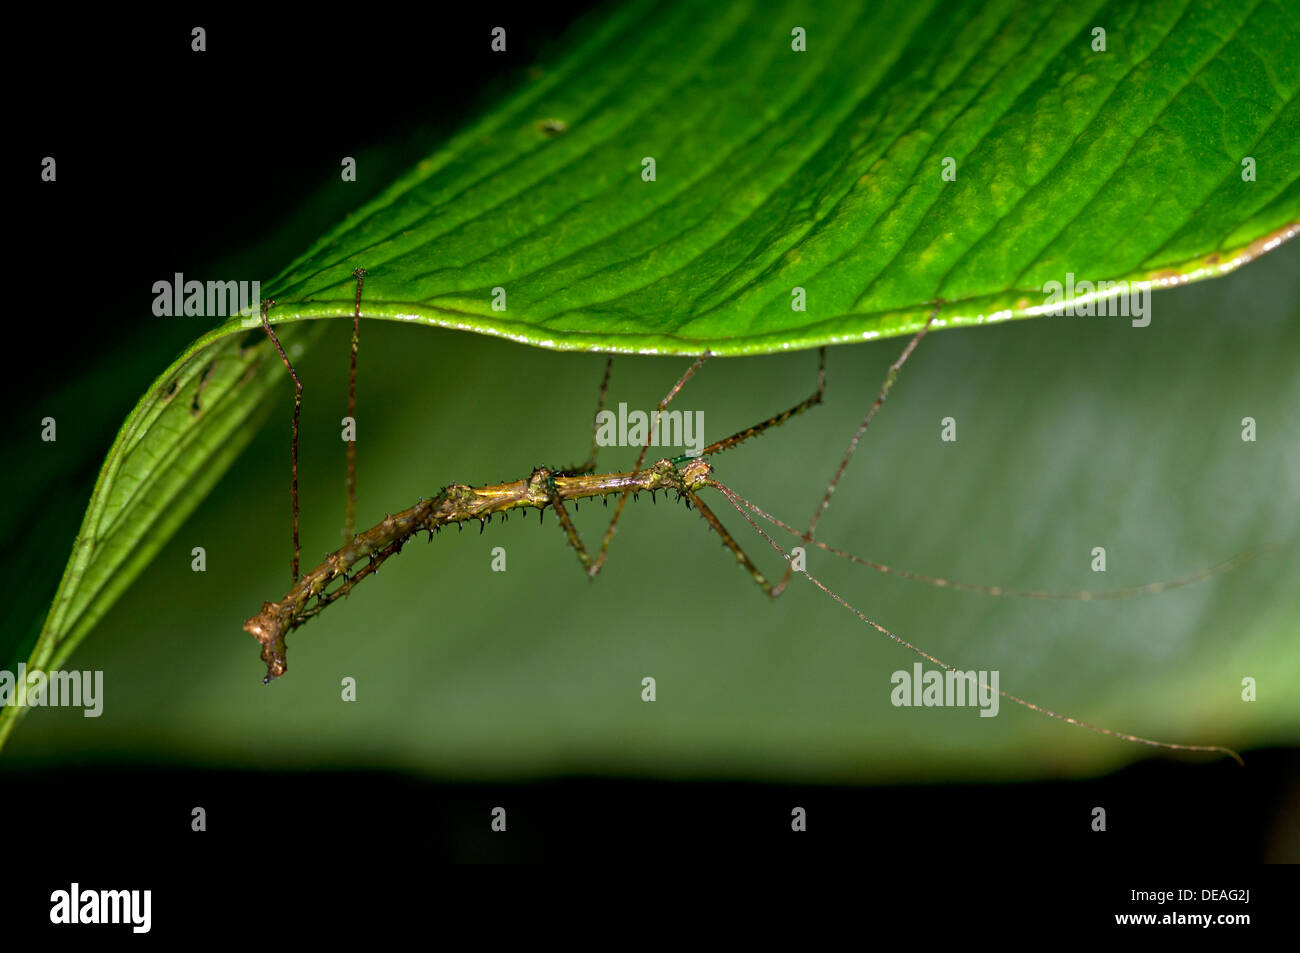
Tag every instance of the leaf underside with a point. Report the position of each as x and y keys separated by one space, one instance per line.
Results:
x=822 y=170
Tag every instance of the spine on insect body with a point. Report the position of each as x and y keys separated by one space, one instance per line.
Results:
x=362 y=555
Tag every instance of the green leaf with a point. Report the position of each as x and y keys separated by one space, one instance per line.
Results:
x=822 y=170
x=774 y=170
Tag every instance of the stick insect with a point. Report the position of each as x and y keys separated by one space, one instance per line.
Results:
x=686 y=476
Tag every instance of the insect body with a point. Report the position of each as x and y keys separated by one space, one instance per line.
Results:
x=453 y=504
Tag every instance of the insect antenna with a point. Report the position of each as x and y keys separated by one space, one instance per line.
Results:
x=1124 y=736
x=1084 y=595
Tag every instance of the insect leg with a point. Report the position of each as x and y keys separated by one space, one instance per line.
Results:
x=622 y=500
x=350 y=518
x=570 y=531
x=729 y=541
x=590 y=465
x=743 y=435
x=890 y=377
x=293 y=446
